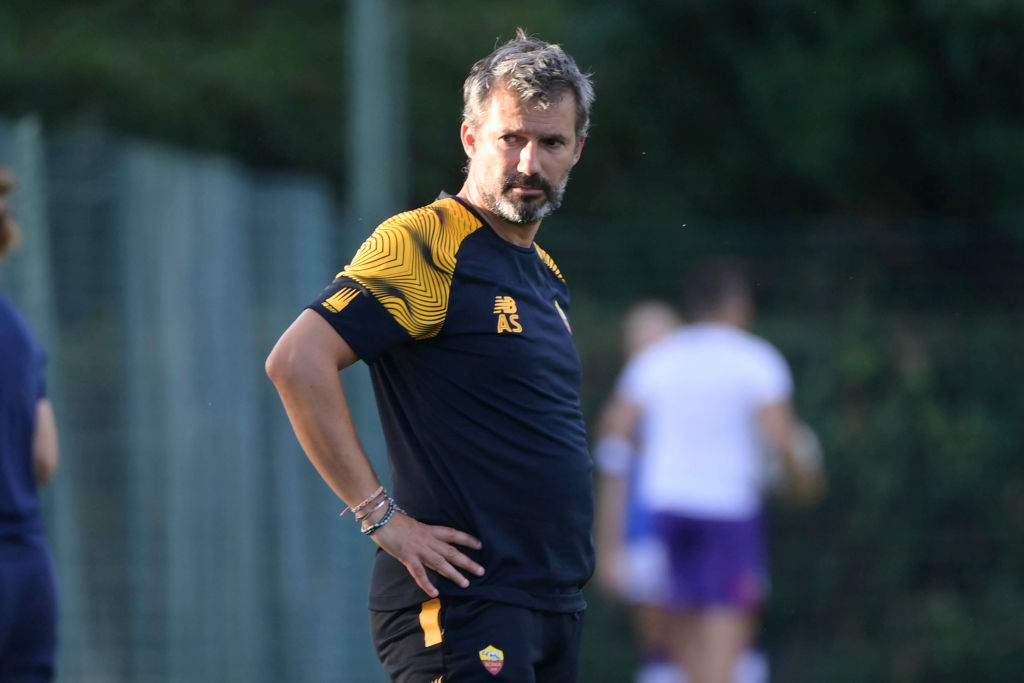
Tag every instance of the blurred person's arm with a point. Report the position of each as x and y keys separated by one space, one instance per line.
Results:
x=802 y=472
x=45 y=447
x=613 y=452
x=304 y=367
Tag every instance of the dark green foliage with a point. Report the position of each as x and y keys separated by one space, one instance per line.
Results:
x=912 y=564
x=776 y=108
x=261 y=81
x=736 y=108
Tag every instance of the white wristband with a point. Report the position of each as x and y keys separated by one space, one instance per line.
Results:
x=613 y=455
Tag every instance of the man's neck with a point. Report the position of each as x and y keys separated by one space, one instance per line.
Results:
x=514 y=233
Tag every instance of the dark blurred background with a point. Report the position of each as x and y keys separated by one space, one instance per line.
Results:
x=193 y=173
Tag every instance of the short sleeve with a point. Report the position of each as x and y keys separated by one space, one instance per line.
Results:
x=359 y=318
x=629 y=384
x=774 y=382
x=397 y=287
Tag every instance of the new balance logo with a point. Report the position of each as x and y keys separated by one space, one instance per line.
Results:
x=504 y=304
x=508 y=319
x=340 y=300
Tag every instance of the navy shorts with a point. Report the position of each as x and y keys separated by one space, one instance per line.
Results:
x=452 y=640
x=713 y=562
x=28 y=611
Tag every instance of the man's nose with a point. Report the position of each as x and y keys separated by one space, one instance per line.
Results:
x=528 y=159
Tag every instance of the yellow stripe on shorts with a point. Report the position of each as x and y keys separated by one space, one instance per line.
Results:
x=430 y=622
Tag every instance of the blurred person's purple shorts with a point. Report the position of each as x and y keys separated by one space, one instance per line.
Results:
x=714 y=562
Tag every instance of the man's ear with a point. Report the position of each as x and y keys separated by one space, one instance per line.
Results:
x=579 y=150
x=468 y=137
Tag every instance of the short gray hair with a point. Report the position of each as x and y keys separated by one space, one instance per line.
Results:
x=537 y=71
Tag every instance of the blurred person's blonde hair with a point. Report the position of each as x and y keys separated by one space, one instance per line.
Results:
x=645 y=323
x=9 y=234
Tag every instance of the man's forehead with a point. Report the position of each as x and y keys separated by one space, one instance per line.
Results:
x=540 y=101
x=505 y=108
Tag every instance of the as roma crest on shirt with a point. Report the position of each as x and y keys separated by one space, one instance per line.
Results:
x=493 y=659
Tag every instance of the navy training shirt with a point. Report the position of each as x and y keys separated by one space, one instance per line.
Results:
x=477 y=381
x=22 y=384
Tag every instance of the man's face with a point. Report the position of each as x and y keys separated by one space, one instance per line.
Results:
x=520 y=156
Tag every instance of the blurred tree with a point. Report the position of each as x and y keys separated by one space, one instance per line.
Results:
x=905 y=574
x=793 y=107
x=735 y=108
x=259 y=80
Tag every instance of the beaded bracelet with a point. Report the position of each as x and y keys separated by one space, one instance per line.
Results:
x=368 y=531
x=392 y=509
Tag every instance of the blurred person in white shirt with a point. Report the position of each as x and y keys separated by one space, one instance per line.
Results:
x=704 y=410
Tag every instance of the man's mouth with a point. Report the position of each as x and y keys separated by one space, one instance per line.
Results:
x=528 y=191
x=527 y=187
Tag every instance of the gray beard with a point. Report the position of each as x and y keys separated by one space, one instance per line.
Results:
x=517 y=212
x=520 y=212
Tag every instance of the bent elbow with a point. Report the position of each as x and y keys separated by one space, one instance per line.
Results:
x=271 y=366
x=285 y=366
x=279 y=366
x=307 y=350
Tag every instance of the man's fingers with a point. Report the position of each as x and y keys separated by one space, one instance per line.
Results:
x=419 y=575
x=421 y=547
x=452 y=555
x=456 y=537
x=446 y=560
x=437 y=562
x=445 y=569
x=453 y=537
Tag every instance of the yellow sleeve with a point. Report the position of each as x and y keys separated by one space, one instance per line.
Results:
x=408 y=262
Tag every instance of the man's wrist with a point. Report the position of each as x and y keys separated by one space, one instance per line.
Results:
x=368 y=526
x=375 y=513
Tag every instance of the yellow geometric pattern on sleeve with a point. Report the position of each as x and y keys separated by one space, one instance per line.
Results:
x=549 y=262
x=408 y=262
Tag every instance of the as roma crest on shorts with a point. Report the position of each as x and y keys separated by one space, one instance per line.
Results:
x=493 y=659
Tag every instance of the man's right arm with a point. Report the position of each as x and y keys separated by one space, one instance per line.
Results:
x=304 y=367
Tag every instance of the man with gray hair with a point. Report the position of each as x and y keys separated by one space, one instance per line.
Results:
x=484 y=534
